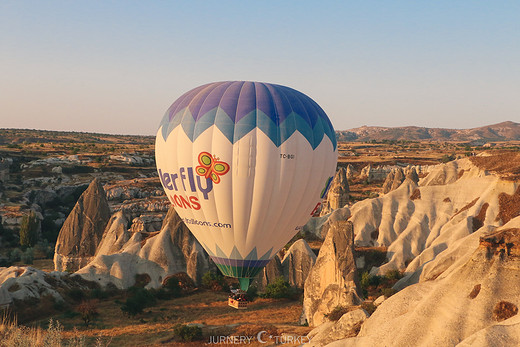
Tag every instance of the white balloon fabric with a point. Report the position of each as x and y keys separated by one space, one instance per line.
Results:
x=245 y=164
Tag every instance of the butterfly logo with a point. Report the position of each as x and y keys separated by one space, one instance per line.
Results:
x=211 y=167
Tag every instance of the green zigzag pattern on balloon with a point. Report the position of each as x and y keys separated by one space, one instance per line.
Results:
x=255 y=119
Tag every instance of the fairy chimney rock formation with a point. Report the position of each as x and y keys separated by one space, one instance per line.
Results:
x=412 y=175
x=393 y=180
x=350 y=171
x=83 y=229
x=338 y=194
x=297 y=263
x=332 y=280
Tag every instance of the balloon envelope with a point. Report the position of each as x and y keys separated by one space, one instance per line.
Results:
x=245 y=164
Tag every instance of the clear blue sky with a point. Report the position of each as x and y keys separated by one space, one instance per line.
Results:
x=116 y=66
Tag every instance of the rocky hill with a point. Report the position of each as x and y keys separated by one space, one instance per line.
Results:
x=505 y=131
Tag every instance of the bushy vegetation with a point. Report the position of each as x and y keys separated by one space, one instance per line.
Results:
x=337 y=313
x=375 y=286
x=369 y=307
x=187 y=333
x=88 y=310
x=447 y=158
x=27 y=256
x=280 y=288
x=213 y=281
x=29 y=230
x=138 y=300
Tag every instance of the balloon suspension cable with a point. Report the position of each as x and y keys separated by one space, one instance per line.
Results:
x=244 y=283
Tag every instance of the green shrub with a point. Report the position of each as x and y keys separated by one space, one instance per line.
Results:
x=213 y=281
x=369 y=307
x=388 y=292
x=394 y=275
x=139 y=299
x=187 y=333
x=15 y=255
x=76 y=294
x=280 y=288
x=44 y=249
x=336 y=313
x=98 y=293
x=28 y=230
x=365 y=280
x=172 y=288
x=374 y=280
x=252 y=293
x=28 y=256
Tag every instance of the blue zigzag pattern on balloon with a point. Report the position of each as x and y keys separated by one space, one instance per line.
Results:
x=235 y=254
x=255 y=119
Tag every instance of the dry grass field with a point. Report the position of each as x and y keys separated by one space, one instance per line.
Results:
x=155 y=326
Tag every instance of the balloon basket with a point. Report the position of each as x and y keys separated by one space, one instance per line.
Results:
x=239 y=305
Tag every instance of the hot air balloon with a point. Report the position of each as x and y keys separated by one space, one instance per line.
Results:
x=245 y=164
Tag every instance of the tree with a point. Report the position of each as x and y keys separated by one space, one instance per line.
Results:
x=29 y=230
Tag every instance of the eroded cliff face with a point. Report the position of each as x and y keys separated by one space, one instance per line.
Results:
x=83 y=229
x=124 y=253
x=475 y=303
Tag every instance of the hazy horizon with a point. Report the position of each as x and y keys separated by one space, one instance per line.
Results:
x=112 y=67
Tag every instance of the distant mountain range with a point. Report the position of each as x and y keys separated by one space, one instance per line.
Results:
x=505 y=131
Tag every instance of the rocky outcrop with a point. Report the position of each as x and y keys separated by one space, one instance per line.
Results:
x=393 y=180
x=297 y=263
x=319 y=226
x=418 y=222
x=123 y=254
x=373 y=174
x=83 y=229
x=332 y=279
x=412 y=175
x=338 y=194
x=22 y=283
x=269 y=273
x=350 y=172
x=477 y=300
x=347 y=326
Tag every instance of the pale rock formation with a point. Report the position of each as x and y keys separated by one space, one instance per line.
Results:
x=332 y=279
x=373 y=174
x=418 y=222
x=269 y=273
x=319 y=226
x=83 y=229
x=460 y=307
x=338 y=194
x=412 y=175
x=133 y=159
x=350 y=172
x=151 y=222
x=297 y=263
x=122 y=254
x=379 y=300
x=21 y=283
x=393 y=180
x=347 y=326
x=56 y=161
